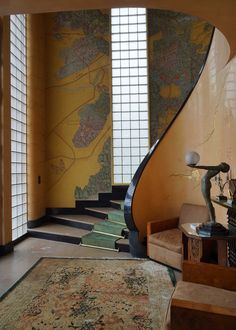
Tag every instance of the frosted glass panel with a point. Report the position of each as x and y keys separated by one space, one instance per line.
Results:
x=130 y=91
x=18 y=125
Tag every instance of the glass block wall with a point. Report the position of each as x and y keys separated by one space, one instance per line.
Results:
x=129 y=91
x=18 y=124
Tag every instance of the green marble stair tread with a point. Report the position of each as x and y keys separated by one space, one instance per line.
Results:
x=100 y=240
x=117 y=216
x=109 y=227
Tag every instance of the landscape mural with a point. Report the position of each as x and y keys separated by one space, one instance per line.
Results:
x=78 y=106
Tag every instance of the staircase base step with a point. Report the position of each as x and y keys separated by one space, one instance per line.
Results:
x=55 y=237
x=123 y=245
x=58 y=232
x=82 y=221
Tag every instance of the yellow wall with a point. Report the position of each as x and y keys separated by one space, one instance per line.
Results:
x=207 y=125
x=78 y=125
x=36 y=115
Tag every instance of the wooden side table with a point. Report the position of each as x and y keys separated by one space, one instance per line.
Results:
x=198 y=248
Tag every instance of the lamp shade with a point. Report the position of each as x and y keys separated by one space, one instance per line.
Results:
x=192 y=158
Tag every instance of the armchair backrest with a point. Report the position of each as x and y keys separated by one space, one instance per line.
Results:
x=193 y=213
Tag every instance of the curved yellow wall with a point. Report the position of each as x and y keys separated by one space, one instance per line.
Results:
x=207 y=125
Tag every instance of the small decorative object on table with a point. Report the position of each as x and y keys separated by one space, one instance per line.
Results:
x=219 y=182
x=210 y=228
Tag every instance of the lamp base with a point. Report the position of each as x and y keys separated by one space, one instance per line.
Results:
x=212 y=229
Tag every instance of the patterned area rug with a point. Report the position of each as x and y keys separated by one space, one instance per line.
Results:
x=89 y=294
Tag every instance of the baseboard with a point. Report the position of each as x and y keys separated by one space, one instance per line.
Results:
x=37 y=222
x=7 y=248
x=20 y=239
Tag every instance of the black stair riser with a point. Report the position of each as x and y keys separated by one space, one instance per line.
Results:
x=96 y=214
x=75 y=224
x=122 y=247
x=37 y=222
x=119 y=189
x=82 y=204
x=125 y=233
x=65 y=210
x=55 y=237
x=115 y=205
x=104 y=197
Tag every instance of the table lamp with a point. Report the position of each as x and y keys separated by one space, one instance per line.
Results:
x=210 y=228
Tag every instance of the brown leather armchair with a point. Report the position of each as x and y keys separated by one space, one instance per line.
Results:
x=164 y=238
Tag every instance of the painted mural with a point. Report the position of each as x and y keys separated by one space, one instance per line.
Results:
x=78 y=106
x=178 y=44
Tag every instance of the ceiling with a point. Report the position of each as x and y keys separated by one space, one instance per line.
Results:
x=222 y=14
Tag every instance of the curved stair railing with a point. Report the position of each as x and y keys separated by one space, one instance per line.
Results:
x=137 y=246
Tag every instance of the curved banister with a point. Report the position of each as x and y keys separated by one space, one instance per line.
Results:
x=137 y=247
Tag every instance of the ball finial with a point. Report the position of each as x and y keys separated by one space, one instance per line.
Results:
x=192 y=158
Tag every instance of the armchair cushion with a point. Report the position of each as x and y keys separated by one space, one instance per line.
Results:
x=169 y=239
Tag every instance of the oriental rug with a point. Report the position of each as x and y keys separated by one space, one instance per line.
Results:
x=89 y=294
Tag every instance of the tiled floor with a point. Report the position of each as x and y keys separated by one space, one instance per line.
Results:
x=26 y=253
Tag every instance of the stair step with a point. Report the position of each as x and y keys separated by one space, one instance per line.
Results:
x=99 y=212
x=82 y=221
x=109 y=227
x=122 y=245
x=99 y=240
x=117 y=204
x=102 y=241
x=117 y=215
x=58 y=232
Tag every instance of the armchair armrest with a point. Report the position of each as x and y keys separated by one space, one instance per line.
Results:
x=157 y=226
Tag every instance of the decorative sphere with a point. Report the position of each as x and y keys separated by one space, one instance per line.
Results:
x=192 y=158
